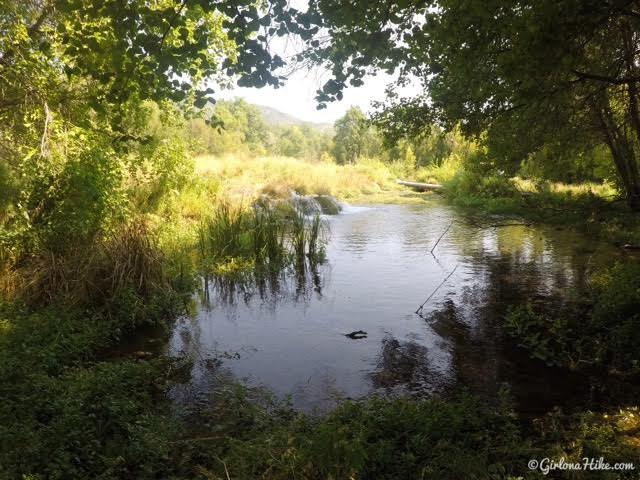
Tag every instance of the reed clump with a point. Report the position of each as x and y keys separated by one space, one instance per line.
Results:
x=308 y=235
x=262 y=237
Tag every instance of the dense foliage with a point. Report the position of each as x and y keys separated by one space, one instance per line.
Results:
x=531 y=75
x=76 y=82
x=245 y=132
x=596 y=334
x=105 y=226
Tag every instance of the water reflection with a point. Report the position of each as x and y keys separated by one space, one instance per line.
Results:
x=287 y=331
x=296 y=284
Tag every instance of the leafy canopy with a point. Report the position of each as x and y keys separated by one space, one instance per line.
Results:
x=527 y=73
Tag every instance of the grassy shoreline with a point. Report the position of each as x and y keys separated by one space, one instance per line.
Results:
x=595 y=209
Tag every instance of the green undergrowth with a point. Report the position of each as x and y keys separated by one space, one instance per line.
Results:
x=381 y=439
x=246 y=434
x=72 y=408
x=67 y=414
x=596 y=330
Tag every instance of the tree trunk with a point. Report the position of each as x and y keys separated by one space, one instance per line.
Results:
x=633 y=196
x=622 y=151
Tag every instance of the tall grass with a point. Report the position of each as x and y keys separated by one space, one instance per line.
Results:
x=307 y=236
x=235 y=235
x=299 y=235
x=265 y=236
x=128 y=261
x=315 y=238
x=268 y=231
x=220 y=236
x=279 y=176
x=9 y=277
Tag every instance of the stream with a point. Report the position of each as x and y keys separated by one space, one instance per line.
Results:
x=288 y=333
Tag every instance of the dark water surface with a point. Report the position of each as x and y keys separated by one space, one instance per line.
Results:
x=288 y=333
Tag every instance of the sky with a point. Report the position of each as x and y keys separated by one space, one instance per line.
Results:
x=297 y=96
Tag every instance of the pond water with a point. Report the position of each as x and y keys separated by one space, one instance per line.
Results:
x=288 y=333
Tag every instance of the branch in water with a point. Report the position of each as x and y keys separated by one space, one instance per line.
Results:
x=440 y=237
x=419 y=310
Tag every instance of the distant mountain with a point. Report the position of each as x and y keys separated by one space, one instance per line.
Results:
x=276 y=117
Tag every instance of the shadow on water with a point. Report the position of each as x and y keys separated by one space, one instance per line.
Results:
x=404 y=368
x=287 y=331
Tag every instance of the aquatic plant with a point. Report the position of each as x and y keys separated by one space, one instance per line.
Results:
x=265 y=236
x=317 y=231
x=298 y=234
x=268 y=236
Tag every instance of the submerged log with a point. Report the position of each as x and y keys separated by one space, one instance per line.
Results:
x=420 y=186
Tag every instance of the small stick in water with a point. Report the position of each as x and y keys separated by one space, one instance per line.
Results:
x=437 y=288
x=440 y=237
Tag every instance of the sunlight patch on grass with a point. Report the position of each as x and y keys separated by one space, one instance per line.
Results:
x=248 y=178
x=603 y=190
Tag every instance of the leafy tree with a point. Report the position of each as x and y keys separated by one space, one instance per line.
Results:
x=562 y=165
x=162 y=49
x=526 y=72
x=354 y=137
x=77 y=78
x=292 y=142
x=241 y=130
x=245 y=131
x=302 y=141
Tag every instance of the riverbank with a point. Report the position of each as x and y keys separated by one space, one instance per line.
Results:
x=597 y=210
x=365 y=182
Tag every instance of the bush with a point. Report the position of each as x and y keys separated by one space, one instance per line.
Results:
x=612 y=435
x=80 y=193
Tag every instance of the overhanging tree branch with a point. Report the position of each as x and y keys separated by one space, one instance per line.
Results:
x=607 y=79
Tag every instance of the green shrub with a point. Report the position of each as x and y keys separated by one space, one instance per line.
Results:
x=551 y=339
x=376 y=439
x=611 y=435
x=80 y=192
x=602 y=332
x=65 y=414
